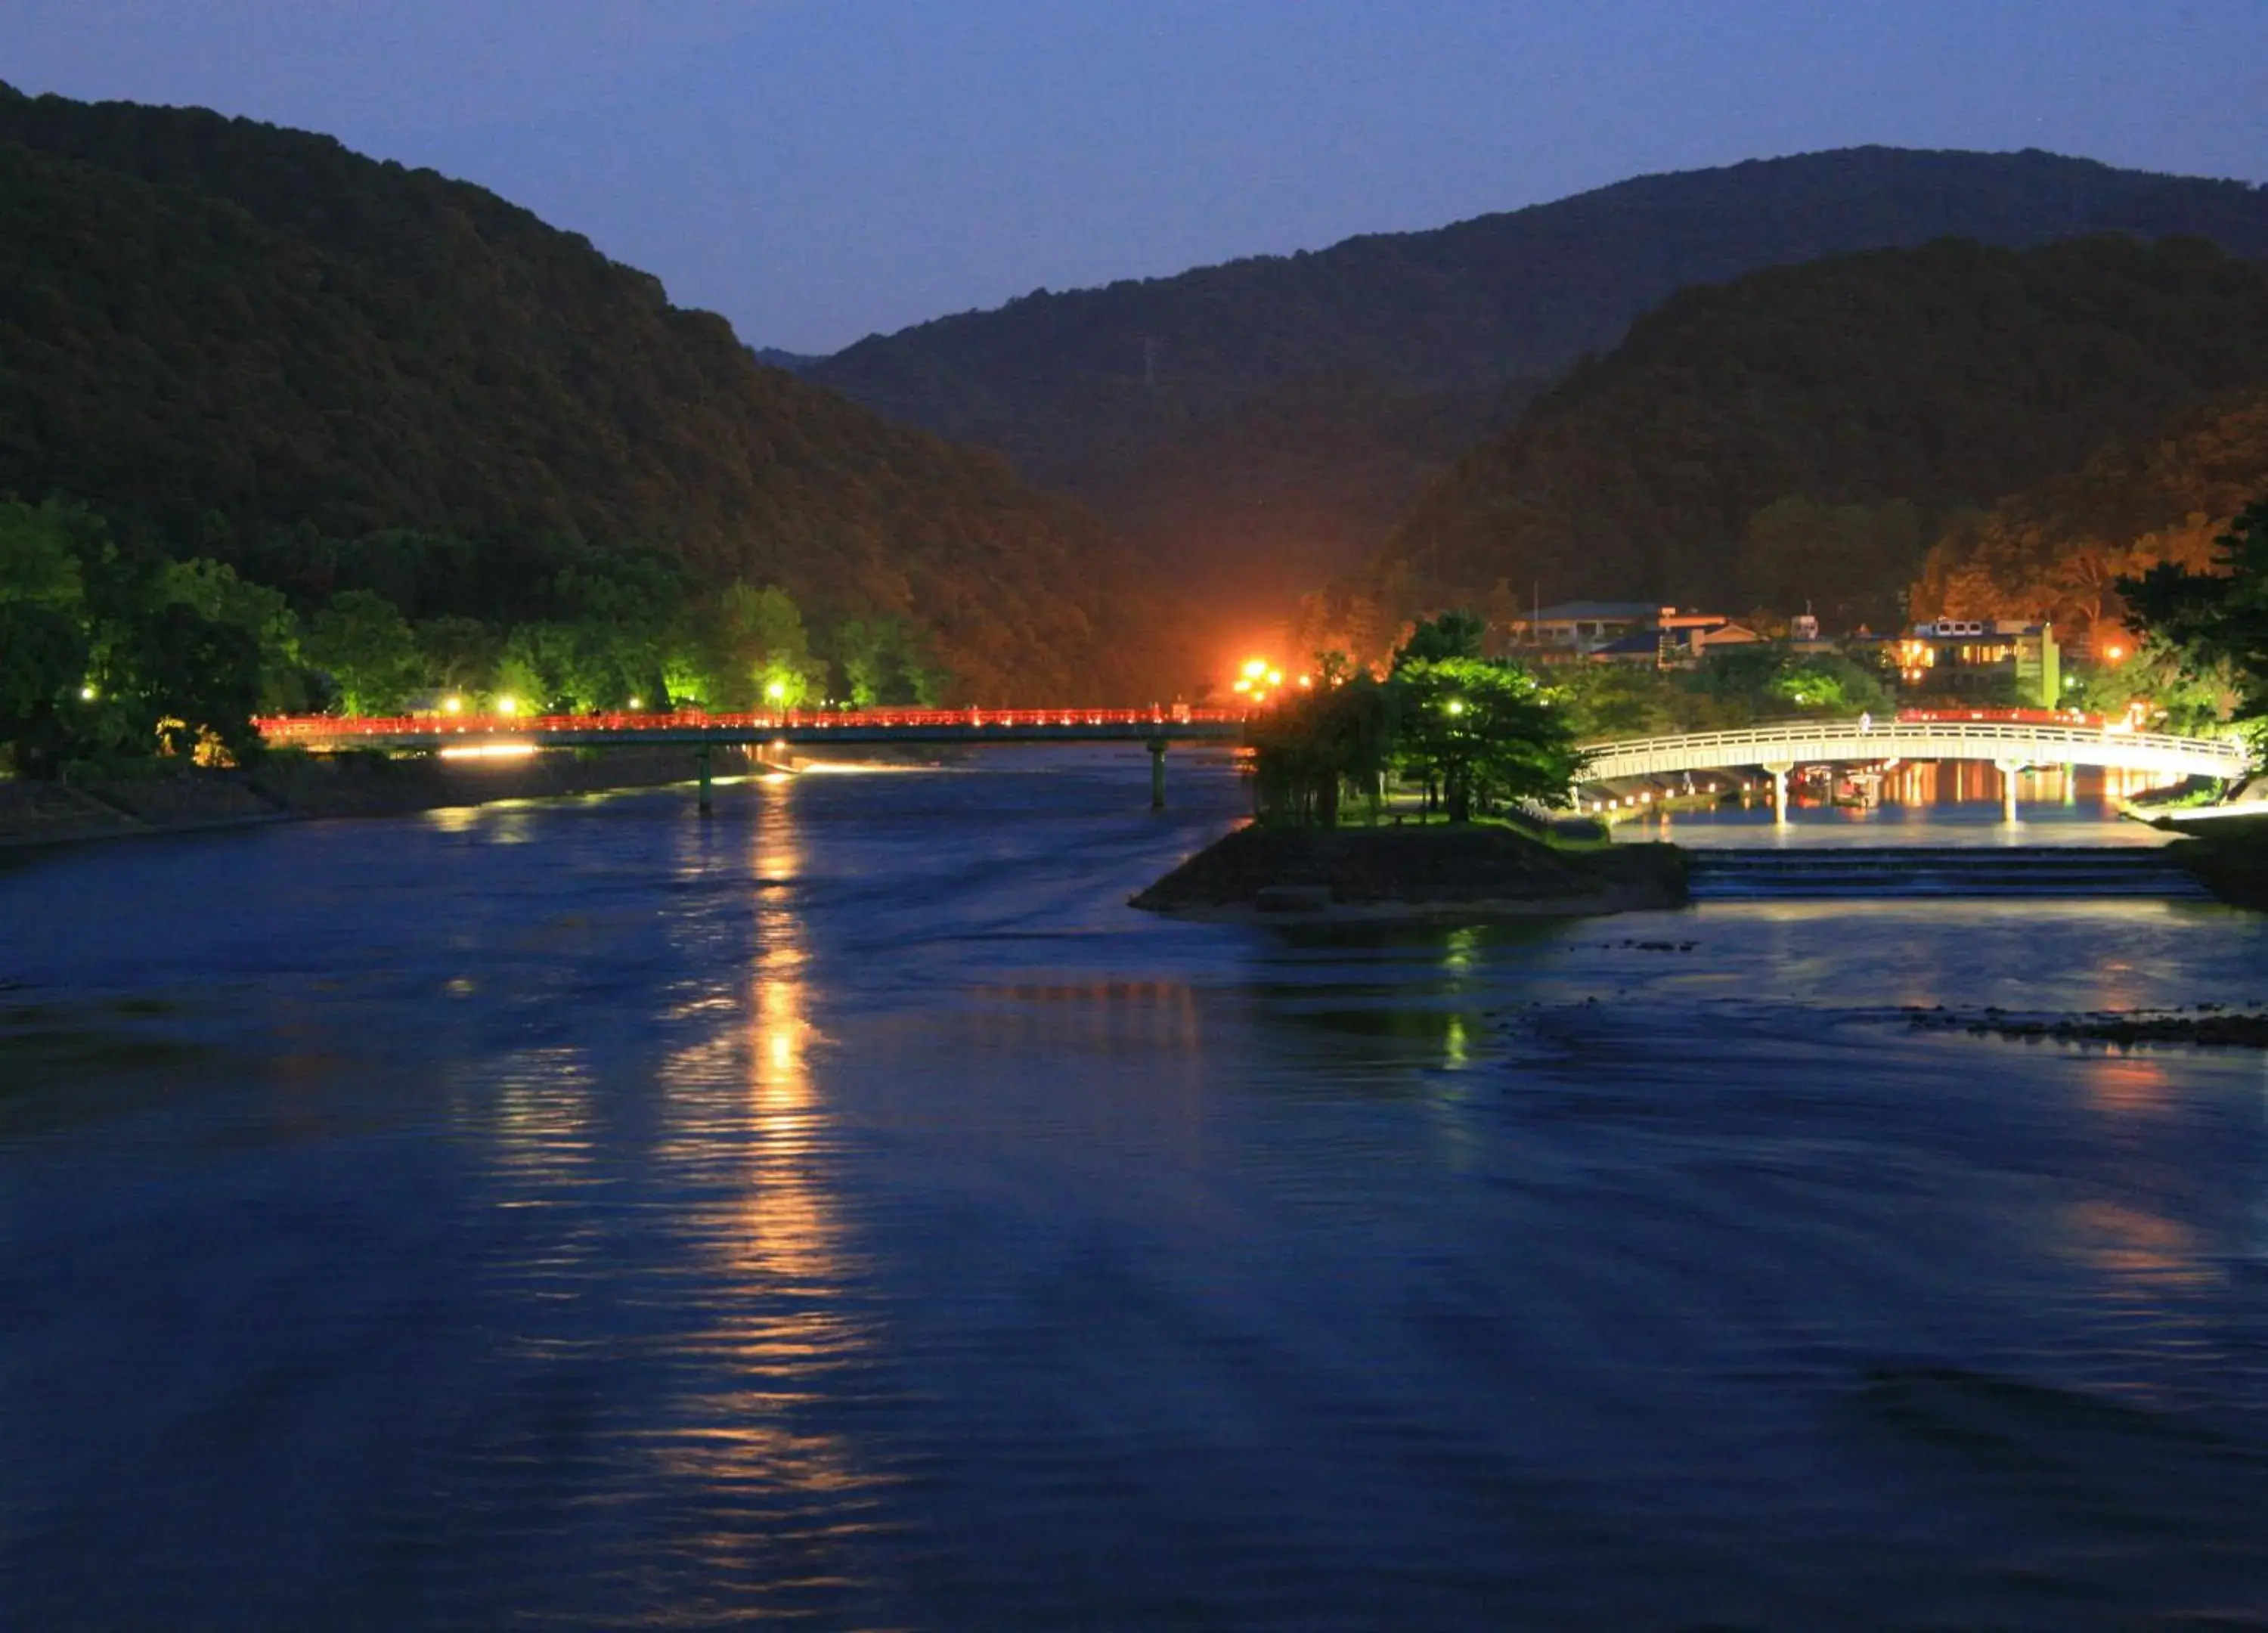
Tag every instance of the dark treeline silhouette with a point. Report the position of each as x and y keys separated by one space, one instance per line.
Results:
x=255 y=346
x=1804 y=433
x=2057 y=550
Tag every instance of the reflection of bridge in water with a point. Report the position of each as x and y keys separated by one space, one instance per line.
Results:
x=2008 y=746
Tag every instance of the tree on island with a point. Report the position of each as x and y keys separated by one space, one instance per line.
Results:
x=1476 y=732
x=2216 y=621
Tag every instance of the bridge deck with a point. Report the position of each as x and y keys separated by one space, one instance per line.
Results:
x=789 y=727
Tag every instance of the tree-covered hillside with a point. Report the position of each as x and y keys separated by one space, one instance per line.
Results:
x=1162 y=402
x=1801 y=434
x=265 y=350
x=2058 y=549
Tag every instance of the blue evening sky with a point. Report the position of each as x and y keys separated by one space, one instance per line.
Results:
x=820 y=169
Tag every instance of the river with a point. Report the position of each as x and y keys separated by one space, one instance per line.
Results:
x=845 y=1209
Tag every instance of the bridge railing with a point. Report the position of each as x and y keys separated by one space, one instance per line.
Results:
x=1953 y=738
x=290 y=729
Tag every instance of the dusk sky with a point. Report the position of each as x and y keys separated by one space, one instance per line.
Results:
x=820 y=169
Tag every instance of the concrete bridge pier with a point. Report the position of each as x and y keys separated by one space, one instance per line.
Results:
x=1780 y=771
x=1157 y=747
x=701 y=762
x=2008 y=769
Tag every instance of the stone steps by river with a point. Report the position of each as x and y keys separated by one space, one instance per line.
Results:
x=1905 y=871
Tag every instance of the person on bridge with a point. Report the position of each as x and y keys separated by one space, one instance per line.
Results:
x=1866 y=721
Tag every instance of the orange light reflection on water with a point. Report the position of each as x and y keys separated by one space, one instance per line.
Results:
x=749 y=1120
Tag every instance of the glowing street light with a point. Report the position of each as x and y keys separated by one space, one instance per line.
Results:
x=86 y=693
x=776 y=691
x=1456 y=705
x=452 y=705
x=507 y=705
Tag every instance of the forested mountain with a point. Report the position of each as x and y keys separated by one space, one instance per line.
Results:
x=1281 y=412
x=2057 y=550
x=1801 y=433
x=264 y=348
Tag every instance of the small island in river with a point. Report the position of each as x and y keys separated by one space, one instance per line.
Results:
x=1459 y=871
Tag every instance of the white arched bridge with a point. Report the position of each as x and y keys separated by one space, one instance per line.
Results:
x=2009 y=744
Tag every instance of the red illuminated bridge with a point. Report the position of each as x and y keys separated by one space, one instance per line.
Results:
x=1175 y=725
x=497 y=734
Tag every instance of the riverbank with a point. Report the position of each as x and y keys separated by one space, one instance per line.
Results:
x=157 y=800
x=1412 y=874
x=2234 y=867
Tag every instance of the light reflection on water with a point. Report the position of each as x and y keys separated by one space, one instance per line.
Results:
x=1924 y=803
x=846 y=1209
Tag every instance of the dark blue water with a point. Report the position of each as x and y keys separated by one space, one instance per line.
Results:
x=846 y=1209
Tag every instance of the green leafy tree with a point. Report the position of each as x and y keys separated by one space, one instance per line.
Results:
x=43 y=665
x=2215 y=622
x=1312 y=745
x=1481 y=733
x=216 y=592
x=1448 y=635
x=460 y=654
x=884 y=661
x=768 y=659
x=194 y=680
x=1824 y=683
x=368 y=650
x=1611 y=700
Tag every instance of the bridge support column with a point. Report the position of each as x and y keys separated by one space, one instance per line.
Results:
x=2008 y=769
x=701 y=760
x=1157 y=774
x=1779 y=791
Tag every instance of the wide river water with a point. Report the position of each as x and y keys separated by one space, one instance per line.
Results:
x=845 y=1209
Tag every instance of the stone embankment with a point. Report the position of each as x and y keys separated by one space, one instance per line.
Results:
x=1436 y=873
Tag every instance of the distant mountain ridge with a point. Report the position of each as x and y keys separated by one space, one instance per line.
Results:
x=1154 y=400
x=219 y=331
x=1905 y=386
